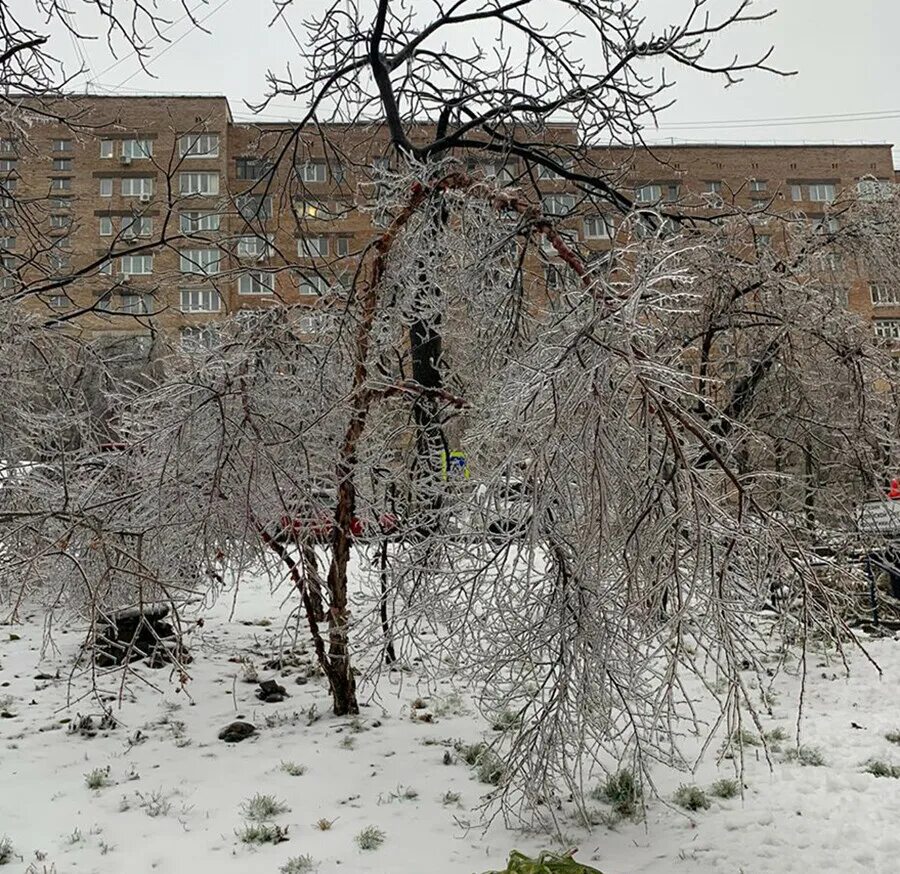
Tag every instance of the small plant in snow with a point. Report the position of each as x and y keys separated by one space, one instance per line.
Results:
x=298 y=865
x=324 y=825
x=691 y=798
x=348 y=743
x=878 y=768
x=742 y=737
x=451 y=705
x=370 y=838
x=262 y=807
x=622 y=792
x=6 y=850
x=775 y=738
x=293 y=769
x=725 y=788
x=490 y=768
x=450 y=797
x=506 y=720
x=893 y=737
x=806 y=755
x=249 y=673
x=155 y=803
x=98 y=778
x=75 y=838
x=262 y=833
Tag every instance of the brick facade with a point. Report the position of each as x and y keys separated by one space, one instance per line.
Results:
x=211 y=193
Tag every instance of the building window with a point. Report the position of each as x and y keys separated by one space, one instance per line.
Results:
x=758 y=185
x=132 y=226
x=253 y=247
x=136 y=149
x=312 y=171
x=822 y=192
x=198 y=338
x=107 y=148
x=202 y=184
x=310 y=247
x=256 y=282
x=60 y=183
x=648 y=193
x=136 y=265
x=106 y=187
x=313 y=284
x=558 y=204
x=8 y=165
x=60 y=203
x=884 y=295
x=201 y=261
x=254 y=207
x=106 y=226
x=59 y=261
x=342 y=247
x=8 y=146
x=314 y=322
x=553 y=277
x=7 y=243
x=825 y=224
x=887 y=329
x=252 y=168
x=548 y=173
x=137 y=186
x=198 y=146
x=200 y=300
x=596 y=228
x=105 y=268
x=713 y=186
x=193 y=222
x=59 y=302
x=62 y=165
x=136 y=304
x=62 y=145
x=60 y=221
x=874 y=189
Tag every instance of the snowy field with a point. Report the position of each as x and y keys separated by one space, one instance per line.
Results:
x=173 y=793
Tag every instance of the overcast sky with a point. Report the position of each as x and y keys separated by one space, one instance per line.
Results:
x=845 y=54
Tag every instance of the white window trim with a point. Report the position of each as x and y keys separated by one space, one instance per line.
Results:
x=204 y=297
x=144 y=259
x=254 y=276
x=196 y=264
x=191 y=140
x=209 y=188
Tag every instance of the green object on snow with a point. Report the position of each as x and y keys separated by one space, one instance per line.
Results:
x=546 y=863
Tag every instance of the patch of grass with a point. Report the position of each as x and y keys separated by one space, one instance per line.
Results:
x=155 y=804
x=299 y=865
x=893 y=737
x=6 y=851
x=489 y=767
x=293 y=769
x=471 y=753
x=261 y=833
x=725 y=788
x=691 y=798
x=622 y=792
x=878 y=768
x=450 y=705
x=370 y=838
x=450 y=797
x=324 y=825
x=75 y=838
x=98 y=778
x=348 y=743
x=260 y=808
x=404 y=793
x=743 y=737
x=810 y=756
x=506 y=720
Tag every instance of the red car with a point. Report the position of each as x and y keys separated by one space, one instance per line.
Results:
x=315 y=522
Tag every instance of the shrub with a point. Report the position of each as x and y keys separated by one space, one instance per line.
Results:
x=6 y=851
x=807 y=755
x=293 y=769
x=259 y=808
x=98 y=778
x=490 y=768
x=370 y=838
x=622 y=792
x=323 y=825
x=725 y=788
x=691 y=798
x=262 y=833
x=298 y=865
x=878 y=768
x=742 y=737
x=450 y=797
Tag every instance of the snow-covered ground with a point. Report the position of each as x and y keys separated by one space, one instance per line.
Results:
x=173 y=803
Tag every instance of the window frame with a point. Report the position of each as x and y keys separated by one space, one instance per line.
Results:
x=193 y=139
x=204 y=294
x=254 y=277
x=194 y=263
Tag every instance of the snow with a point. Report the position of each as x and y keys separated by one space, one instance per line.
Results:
x=793 y=818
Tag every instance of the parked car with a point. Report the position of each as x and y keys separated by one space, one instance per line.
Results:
x=313 y=520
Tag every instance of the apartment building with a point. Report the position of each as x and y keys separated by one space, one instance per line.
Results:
x=170 y=213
